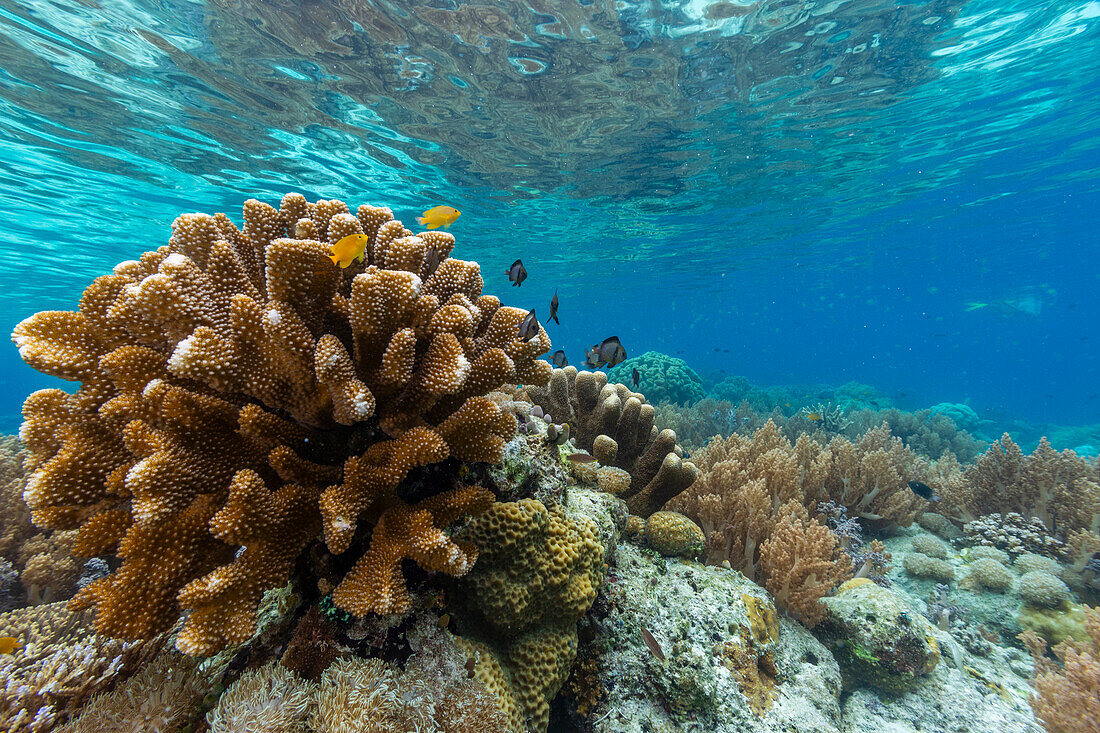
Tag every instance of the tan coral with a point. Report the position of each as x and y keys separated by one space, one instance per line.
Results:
x=616 y=426
x=60 y=664
x=803 y=563
x=538 y=574
x=228 y=379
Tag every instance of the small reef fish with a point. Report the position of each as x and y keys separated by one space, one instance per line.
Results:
x=580 y=458
x=609 y=353
x=349 y=249
x=924 y=491
x=554 y=308
x=813 y=416
x=431 y=262
x=438 y=216
x=517 y=273
x=9 y=645
x=635 y=376
x=559 y=360
x=529 y=328
x=444 y=620
x=650 y=642
x=975 y=306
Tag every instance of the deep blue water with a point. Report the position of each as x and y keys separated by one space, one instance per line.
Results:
x=793 y=192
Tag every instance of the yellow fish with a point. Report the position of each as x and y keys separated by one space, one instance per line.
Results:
x=438 y=216
x=349 y=249
x=813 y=416
x=9 y=645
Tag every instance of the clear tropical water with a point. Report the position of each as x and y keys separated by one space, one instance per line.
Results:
x=795 y=192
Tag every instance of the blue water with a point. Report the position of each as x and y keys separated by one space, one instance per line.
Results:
x=795 y=192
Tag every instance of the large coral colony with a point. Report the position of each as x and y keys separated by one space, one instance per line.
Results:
x=290 y=496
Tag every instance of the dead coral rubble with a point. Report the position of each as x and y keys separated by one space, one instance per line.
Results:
x=227 y=381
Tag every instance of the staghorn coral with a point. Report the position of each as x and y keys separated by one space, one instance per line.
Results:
x=1067 y=692
x=802 y=562
x=1062 y=490
x=616 y=426
x=233 y=385
x=62 y=663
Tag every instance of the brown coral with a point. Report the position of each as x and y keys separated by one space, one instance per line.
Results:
x=616 y=426
x=1067 y=695
x=803 y=563
x=1060 y=489
x=230 y=382
x=744 y=480
x=538 y=574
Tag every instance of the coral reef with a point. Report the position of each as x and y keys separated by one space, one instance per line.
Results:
x=662 y=378
x=673 y=535
x=235 y=385
x=988 y=574
x=1061 y=490
x=537 y=574
x=1067 y=691
x=616 y=426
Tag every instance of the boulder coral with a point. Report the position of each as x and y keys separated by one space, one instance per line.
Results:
x=538 y=573
x=662 y=378
x=239 y=394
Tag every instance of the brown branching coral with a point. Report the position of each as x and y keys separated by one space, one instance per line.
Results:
x=1066 y=696
x=232 y=383
x=616 y=426
x=802 y=562
x=1060 y=489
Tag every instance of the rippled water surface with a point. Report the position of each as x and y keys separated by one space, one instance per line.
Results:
x=794 y=191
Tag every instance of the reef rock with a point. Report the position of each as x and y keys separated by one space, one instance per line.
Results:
x=876 y=638
x=718 y=658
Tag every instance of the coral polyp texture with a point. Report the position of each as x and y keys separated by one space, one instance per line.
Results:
x=616 y=426
x=240 y=394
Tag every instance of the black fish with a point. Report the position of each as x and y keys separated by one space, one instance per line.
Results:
x=559 y=360
x=592 y=357
x=635 y=376
x=554 y=308
x=529 y=328
x=612 y=352
x=924 y=491
x=517 y=273
x=432 y=261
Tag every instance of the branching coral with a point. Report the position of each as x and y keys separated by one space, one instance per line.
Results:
x=230 y=382
x=1060 y=489
x=1067 y=695
x=616 y=426
x=802 y=562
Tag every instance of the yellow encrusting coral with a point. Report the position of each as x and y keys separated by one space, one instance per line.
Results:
x=226 y=381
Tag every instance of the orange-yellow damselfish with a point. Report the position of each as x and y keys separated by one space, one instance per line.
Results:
x=349 y=249
x=438 y=216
